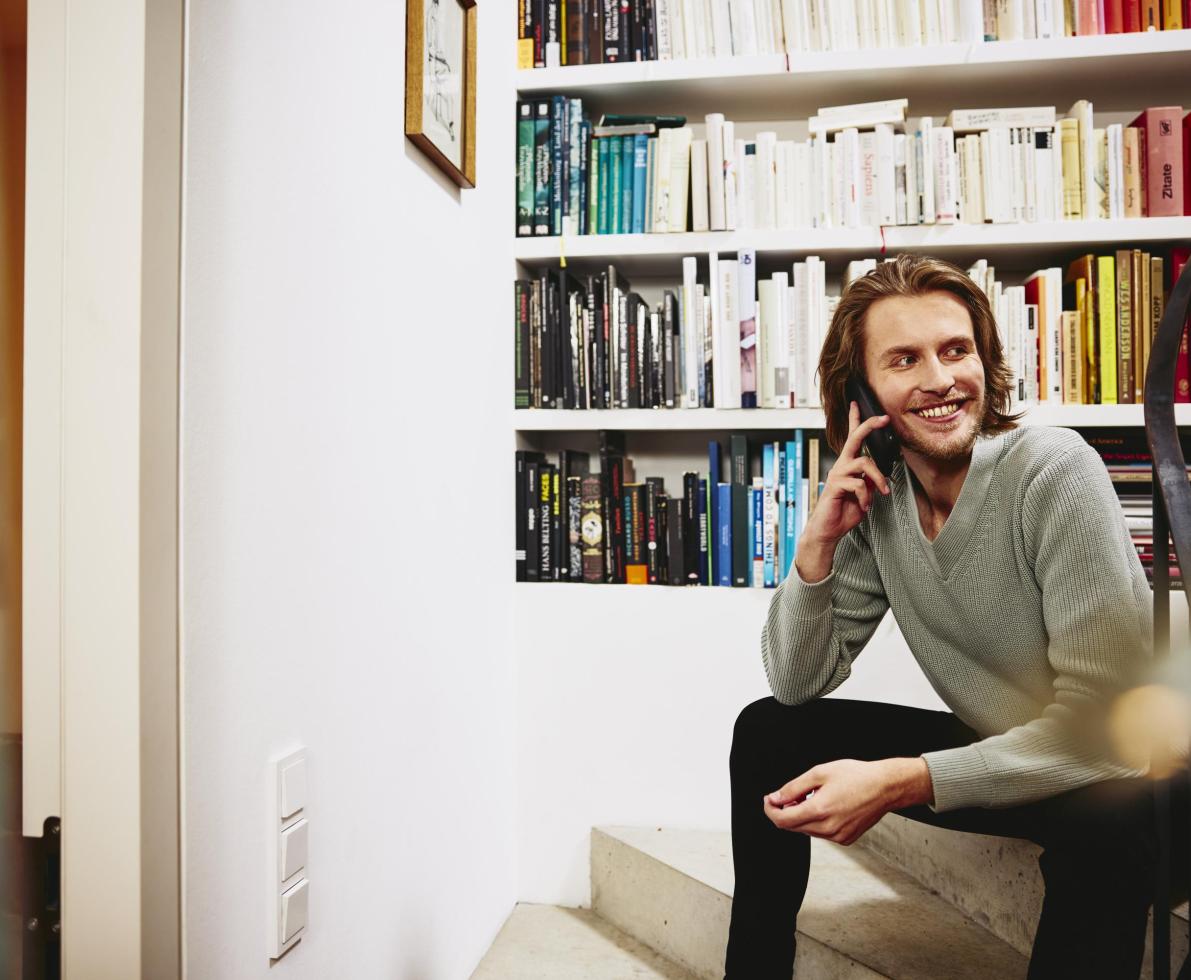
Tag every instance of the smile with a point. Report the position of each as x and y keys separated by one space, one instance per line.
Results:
x=941 y=413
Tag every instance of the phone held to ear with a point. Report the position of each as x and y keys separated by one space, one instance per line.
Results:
x=881 y=444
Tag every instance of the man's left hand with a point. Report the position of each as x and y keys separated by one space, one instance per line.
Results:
x=849 y=796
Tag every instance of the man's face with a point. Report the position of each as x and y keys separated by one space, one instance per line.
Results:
x=920 y=352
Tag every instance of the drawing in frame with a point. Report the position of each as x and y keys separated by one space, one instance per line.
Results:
x=440 y=84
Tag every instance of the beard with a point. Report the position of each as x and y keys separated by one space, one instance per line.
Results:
x=952 y=444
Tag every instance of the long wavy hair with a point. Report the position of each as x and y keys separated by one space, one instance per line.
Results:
x=909 y=275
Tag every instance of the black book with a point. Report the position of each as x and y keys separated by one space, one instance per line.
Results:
x=595 y=32
x=523 y=459
x=597 y=286
x=533 y=517
x=655 y=489
x=676 y=519
x=611 y=11
x=576 y=32
x=635 y=530
x=522 y=377
x=612 y=473
x=546 y=474
x=574 y=526
x=632 y=303
x=649 y=30
x=663 y=538
x=558 y=160
x=690 y=527
x=558 y=543
x=539 y=32
x=553 y=33
x=669 y=346
x=546 y=340
x=636 y=30
x=626 y=30
x=525 y=152
x=584 y=164
x=541 y=167
x=742 y=529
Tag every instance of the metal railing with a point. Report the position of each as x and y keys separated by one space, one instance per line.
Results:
x=1172 y=520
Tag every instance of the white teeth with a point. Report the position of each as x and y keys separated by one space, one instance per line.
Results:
x=939 y=411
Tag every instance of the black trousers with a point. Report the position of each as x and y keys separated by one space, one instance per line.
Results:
x=1099 y=842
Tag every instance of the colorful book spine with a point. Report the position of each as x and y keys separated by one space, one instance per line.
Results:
x=792 y=503
x=615 y=190
x=541 y=170
x=723 y=534
x=1106 y=307
x=714 y=474
x=769 y=512
x=558 y=139
x=640 y=166
x=626 y=184
x=603 y=185
x=757 y=538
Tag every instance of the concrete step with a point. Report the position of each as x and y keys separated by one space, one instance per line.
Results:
x=995 y=880
x=547 y=942
x=862 y=918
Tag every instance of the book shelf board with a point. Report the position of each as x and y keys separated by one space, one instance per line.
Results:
x=1013 y=245
x=741 y=420
x=1156 y=63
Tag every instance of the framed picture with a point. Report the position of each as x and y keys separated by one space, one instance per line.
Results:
x=440 y=84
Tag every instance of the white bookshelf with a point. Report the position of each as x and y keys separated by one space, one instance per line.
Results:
x=1155 y=65
x=766 y=419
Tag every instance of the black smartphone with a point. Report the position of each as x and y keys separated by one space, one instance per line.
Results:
x=881 y=444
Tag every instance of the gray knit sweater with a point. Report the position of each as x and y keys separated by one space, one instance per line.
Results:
x=1029 y=605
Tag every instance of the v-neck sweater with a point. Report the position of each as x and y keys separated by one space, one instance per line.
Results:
x=1030 y=610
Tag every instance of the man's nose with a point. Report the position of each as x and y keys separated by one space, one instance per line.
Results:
x=938 y=377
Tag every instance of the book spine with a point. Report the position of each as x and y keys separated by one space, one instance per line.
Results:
x=542 y=168
x=757 y=538
x=611 y=32
x=574 y=524
x=746 y=298
x=653 y=490
x=615 y=182
x=586 y=173
x=522 y=378
x=557 y=177
x=592 y=529
x=741 y=509
x=574 y=166
x=1106 y=308
x=675 y=546
x=1124 y=284
x=703 y=526
x=1163 y=162
x=723 y=534
x=690 y=530
x=640 y=154
x=627 y=146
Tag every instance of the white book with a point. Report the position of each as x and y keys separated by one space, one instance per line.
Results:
x=802 y=184
x=785 y=183
x=849 y=166
x=896 y=107
x=866 y=23
x=691 y=21
x=715 y=170
x=663 y=166
x=1002 y=168
x=1054 y=326
x=1009 y=20
x=680 y=177
x=763 y=14
x=948 y=21
x=1081 y=112
x=704 y=31
x=780 y=348
x=662 y=16
x=721 y=29
x=714 y=332
x=1100 y=185
x=913 y=195
x=779 y=34
x=677 y=28
x=867 y=186
x=730 y=191
x=910 y=17
x=651 y=163
x=745 y=181
x=691 y=348
x=838 y=187
x=800 y=335
x=945 y=177
x=819 y=313
x=699 y=221
x=972 y=120
x=1029 y=23
x=1044 y=16
x=973 y=159
x=926 y=170
x=1017 y=176
x=744 y=27
x=1043 y=179
x=765 y=187
x=1026 y=164
x=899 y=178
x=796 y=26
x=766 y=338
x=930 y=23
x=823 y=171
x=971 y=21
x=818 y=32
x=1116 y=171
x=728 y=380
x=1031 y=353
x=886 y=176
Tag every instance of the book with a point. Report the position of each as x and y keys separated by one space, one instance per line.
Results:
x=1161 y=140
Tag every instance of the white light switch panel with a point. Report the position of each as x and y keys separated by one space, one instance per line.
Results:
x=287 y=844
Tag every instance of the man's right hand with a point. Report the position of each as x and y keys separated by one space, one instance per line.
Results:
x=847 y=496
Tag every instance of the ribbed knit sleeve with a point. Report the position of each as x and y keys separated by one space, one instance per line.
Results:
x=1095 y=604
x=814 y=631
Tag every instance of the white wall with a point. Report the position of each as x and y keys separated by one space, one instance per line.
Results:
x=345 y=571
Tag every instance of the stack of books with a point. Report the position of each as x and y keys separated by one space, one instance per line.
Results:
x=574 y=525
x=551 y=33
x=864 y=165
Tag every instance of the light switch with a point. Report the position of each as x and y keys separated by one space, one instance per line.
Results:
x=293 y=910
x=293 y=788
x=293 y=849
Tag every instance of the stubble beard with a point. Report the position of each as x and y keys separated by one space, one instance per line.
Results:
x=951 y=445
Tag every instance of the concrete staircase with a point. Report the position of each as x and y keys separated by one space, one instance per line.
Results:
x=907 y=902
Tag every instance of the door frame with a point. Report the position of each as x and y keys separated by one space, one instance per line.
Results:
x=100 y=652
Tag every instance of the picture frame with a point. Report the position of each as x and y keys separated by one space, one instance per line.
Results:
x=440 y=84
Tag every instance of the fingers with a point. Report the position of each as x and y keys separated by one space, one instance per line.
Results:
x=857 y=433
x=869 y=468
x=857 y=486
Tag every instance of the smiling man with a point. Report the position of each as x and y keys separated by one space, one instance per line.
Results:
x=1005 y=558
